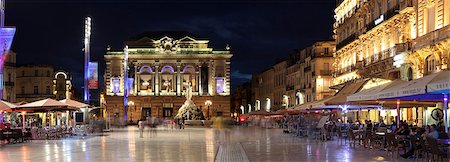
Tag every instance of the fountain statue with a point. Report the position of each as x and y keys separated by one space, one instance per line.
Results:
x=189 y=111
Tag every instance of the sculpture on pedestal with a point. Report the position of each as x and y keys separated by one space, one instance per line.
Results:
x=189 y=111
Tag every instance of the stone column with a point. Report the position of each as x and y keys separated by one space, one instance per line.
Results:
x=212 y=78
x=178 y=80
x=199 y=80
x=157 y=80
x=136 y=82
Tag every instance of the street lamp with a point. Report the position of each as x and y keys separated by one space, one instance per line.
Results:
x=131 y=103
x=208 y=103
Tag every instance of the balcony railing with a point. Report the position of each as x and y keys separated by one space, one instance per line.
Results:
x=34 y=95
x=406 y=4
x=325 y=72
x=388 y=53
x=308 y=68
x=346 y=41
x=11 y=64
x=432 y=38
x=9 y=83
x=288 y=88
x=348 y=69
x=386 y=16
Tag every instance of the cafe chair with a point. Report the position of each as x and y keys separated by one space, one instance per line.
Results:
x=436 y=152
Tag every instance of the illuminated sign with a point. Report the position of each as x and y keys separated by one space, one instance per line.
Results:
x=379 y=20
x=93 y=75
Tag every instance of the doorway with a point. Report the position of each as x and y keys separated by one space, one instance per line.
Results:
x=146 y=112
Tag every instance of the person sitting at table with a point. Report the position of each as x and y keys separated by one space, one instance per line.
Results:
x=403 y=130
x=433 y=132
x=414 y=138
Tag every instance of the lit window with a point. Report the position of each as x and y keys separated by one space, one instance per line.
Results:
x=220 y=85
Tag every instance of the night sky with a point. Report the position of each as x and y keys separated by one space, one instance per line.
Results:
x=258 y=31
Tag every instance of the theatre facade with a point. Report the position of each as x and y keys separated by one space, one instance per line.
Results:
x=160 y=66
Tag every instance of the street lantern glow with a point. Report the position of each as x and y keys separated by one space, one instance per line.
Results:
x=130 y=103
x=208 y=103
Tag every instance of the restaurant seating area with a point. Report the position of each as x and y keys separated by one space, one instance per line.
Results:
x=18 y=135
x=403 y=142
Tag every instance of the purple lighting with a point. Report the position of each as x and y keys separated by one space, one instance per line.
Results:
x=220 y=85
x=146 y=68
x=165 y=68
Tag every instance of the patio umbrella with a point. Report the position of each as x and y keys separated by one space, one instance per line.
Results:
x=44 y=105
x=6 y=106
x=21 y=103
x=73 y=103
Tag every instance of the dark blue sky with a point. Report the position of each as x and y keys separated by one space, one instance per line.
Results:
x=259 y=31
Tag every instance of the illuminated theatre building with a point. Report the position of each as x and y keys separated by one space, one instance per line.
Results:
x=402 y=39
x=160 y=65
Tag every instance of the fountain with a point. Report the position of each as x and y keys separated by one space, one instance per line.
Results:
x=189 y=111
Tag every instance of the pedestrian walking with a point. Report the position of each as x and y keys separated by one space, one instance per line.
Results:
x=141 y=128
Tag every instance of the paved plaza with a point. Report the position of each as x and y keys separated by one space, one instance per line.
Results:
x=190 y=144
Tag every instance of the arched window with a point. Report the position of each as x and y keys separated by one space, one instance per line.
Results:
x=167 y=69
x=431 y=64
x=410 y=74
x=145 y=69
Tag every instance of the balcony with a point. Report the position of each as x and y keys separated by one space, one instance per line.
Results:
x=10 y=64
x=34 y=96
x=388 y=53
x=406 y=5
x=9 y=84
x=348 y=69
x=346 y=41
x=289 y=88
x=308 y=68
x=386 y=16
x=431 y=38
x=325 y=72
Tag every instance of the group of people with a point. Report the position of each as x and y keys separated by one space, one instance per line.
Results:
x=416 y=134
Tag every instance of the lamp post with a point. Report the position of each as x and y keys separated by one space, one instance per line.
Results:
x=131 y=103
x=208 y=103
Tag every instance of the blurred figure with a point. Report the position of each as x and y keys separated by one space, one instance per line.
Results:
x=141 y=128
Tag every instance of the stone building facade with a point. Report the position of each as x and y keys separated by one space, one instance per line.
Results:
x=302 y=77
x=9 y=77
x=36 y=82
x=160 y=64
x=370 y=36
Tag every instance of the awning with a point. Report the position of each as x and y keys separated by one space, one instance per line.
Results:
x=415 y=89
x=372 y=93
x=440 y=85
x=339 y=98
